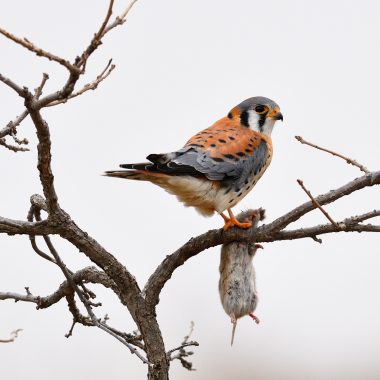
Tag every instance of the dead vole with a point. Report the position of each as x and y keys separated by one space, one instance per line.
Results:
x=237 y=287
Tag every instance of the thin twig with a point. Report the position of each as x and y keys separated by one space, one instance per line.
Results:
x=357 y=184
x=44 y=302
x=96 y=41
x=131 y=348
x=119 y=20
x=347 y=159
x=187 y=344
x=13 y=148
x=40 y=52
x=11 y=126
x=37 y=204
x=316 y=204
x=70 y=332
x=14 y=335
x=366 y=216
x=88 y=274
x=76 y=69
x=24 y=141
x=130 y=338
x=182 y=352
x=19 y=297
x=87 y=304
x=89 y=86
x=10 y=83
x=35 y=212
x=100 y=32
x=191 y=330
x=38 y=90
x=321 y=229
x=317 y=239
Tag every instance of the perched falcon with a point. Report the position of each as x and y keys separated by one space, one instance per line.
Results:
x=219 y=165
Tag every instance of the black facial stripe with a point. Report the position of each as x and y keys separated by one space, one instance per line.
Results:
x=244 y=118
x=261 y=122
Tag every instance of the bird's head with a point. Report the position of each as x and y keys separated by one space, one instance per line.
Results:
x=258 y=113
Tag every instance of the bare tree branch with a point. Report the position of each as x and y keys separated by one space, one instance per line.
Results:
x=120 y=20
x=60 y=222
x=38 y=90
x=44 y=158
x=113 y=274
x=76 y=69
x=333 y=195
x=10 y=83
x=100 y=32
x=18 y=297
x=96 y=41
x=63 y=93
x=13 y=148
x=19 y=227
x=182 y=353
x=265 y=233
x=347 y=159
x=324 y=212
x=134 y=338
x=362 y=217
x=88 y=274
x=23 y=141
x=91 y=320
x=40 y=52
x=311 y=232
x=89 y=86
x=12 y=125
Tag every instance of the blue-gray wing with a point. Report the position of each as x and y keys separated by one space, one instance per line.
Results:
x=194 y=161
x=236 y=167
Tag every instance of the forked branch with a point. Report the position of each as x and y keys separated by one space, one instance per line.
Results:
x=267 y=233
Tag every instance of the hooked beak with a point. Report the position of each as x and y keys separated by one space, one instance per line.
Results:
x=278 y=116
x=275 y=114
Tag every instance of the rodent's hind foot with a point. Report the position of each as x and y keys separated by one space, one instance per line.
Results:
x=257 y=320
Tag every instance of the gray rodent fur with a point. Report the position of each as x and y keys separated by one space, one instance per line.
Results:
x=237 y=283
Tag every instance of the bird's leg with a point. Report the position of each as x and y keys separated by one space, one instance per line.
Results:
x=226 y=219
x=257 y=320
x=234 y=222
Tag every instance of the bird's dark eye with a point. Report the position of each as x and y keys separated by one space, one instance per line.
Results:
x=260 y=108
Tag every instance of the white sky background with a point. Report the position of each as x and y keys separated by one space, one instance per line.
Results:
x=181 y=65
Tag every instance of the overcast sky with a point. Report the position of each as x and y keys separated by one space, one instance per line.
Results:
x=181 y=65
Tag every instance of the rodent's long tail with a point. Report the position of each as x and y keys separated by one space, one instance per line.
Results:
x=234 y=323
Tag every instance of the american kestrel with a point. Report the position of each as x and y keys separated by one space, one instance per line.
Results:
x=218 y=166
